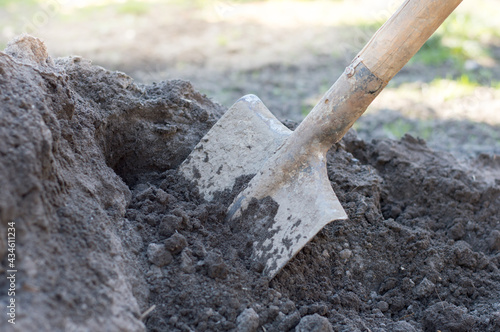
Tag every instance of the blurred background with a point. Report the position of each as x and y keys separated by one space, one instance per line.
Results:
x=288 y=53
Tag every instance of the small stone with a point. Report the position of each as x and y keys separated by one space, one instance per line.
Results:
x=247 y=321
x=158 y=255
x=314 y=323
x=425 y=288
x=464 y=255
x=187 y=263
x=345 y=254
x=176 y=243
x=173 y=320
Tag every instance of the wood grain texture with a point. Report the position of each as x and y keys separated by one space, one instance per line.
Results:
x=395 y=43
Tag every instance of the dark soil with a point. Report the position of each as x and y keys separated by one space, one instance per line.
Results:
x=107 y=229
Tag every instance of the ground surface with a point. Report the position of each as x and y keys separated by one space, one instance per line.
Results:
x=288 y=53
x=107 y=229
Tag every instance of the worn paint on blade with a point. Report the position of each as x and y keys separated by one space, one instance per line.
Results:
x=306 y=204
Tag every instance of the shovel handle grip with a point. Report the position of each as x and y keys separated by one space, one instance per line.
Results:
x=384 y=55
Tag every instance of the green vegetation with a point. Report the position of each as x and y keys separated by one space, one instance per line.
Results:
x=452 y=89
x=222 y=40
x=397 y=128
x=464 y=44
x=462 y=37
x=401 y=126
x=134 y=7
x=305 y=108
x=6 y=3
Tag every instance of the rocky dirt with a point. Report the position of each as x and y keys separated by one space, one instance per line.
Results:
x=110 y=238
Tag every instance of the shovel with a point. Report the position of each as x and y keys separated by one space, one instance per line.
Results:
x=290 y=167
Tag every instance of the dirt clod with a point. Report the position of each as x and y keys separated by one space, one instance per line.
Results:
x=447 y=317
x=315 y=323
x=159 y=255
x=247 y=321
x=176 y=243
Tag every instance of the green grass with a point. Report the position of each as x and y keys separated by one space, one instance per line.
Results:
x=134 y=8
x=397 y=128
x=305 y=108
x=400 y=127
x=462 y=37
x=450 y=89
x=129 y=7
x=6 y=3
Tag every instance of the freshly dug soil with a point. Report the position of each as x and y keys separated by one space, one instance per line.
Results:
x=109 y=237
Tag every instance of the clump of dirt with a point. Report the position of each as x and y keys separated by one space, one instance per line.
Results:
x=111 y=237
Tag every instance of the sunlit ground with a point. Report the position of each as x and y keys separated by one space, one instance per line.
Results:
x=286 y=52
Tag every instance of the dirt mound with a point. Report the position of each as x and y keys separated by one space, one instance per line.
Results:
x=106 y=228
x=68 y=131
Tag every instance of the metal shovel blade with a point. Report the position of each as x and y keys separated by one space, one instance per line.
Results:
x=306 y=203
x=239 y=144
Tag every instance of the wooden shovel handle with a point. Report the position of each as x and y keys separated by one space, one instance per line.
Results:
x=386 y=53
x=395 y=43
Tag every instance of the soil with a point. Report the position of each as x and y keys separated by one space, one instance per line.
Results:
x=109 y=237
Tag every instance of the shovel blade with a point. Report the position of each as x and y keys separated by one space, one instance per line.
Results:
x=240 y=143
x=237 y=145
x=306 y=204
